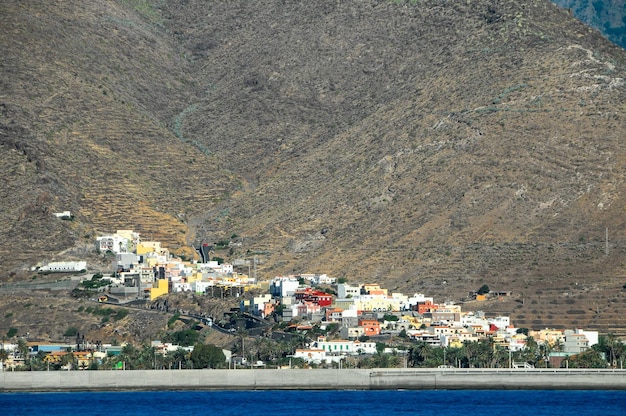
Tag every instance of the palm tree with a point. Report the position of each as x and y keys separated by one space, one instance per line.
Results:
x=22 y=348
x=455 y=355
x=3 y=357
x=500 y=357
x=529 y=353
x=240 y=347
x=69 y=361
x=418 y=354
x=179 y=358
x=476 y=353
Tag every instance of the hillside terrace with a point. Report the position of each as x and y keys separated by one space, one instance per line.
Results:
x=361 y=311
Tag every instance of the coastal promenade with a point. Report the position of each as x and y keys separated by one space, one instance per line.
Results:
x=353 y=379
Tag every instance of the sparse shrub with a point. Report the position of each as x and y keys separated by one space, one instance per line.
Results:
x=121 y=314
x=70 y=332
x=173 y=320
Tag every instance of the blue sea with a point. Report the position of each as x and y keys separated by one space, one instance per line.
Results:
x=362 y=403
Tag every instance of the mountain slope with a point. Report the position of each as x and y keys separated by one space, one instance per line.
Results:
x=87 y=93
x=607 y=16
x=464 y=144
x=428 y=126
x=431 y=146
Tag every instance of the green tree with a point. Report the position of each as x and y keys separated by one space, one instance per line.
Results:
x=184 y=338
x=137 y=359
x=419 y=354
x=68 y=361
x=613 y=348
x=588 y=359
x=207 y=356
x=180 y=358
x=3 y=356
x=332 y=328
x=390 y=317
x=22 y=349
x=531 y=351
x=484 y=289
x=478 y=353
x=70 y=332
x=455 y=356
x=11 y=332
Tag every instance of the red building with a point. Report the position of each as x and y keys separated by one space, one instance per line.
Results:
x=316 y=296
x=425 y=307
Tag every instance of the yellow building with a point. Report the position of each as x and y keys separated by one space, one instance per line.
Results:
x=374 y=289
x=376 y=303
x=194 y=277
x=161 y=288
x=82 y=358
x=547 y=335
x=146 y=247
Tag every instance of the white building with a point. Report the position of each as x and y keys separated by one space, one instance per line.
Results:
x=64 y=214
x=414 y=300
x=592 y=336
x=201 y=286
x=500 y=322
x=579 y=340
x=257 y=303
x=284 y=286
x=64 y=267
x=344 y=290
x=471 y=319
x=345 y=347
x=181 y=287
x=113 y=243
x=323 y=279
x=316 y=356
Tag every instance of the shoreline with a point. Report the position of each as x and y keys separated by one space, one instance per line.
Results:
x=297 y=379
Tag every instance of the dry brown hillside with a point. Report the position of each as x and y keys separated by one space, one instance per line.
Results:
x=430 y=146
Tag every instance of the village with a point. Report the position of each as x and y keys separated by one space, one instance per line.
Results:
x=336 y=323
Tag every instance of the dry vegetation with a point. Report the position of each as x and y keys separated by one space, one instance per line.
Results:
x=429 y=146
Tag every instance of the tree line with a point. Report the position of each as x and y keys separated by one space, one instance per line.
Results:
x=608 y=353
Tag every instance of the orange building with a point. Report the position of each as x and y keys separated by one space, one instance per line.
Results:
x=370 y=326
x=83 y=358
x=425 y=307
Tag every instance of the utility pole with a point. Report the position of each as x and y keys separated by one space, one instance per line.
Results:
x=606 y=248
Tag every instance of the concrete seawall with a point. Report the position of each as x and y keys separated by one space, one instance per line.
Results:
x=354 y=379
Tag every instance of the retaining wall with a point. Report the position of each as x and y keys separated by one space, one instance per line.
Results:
x=359 y=379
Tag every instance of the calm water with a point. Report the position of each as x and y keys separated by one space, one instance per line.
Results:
x=362 y=403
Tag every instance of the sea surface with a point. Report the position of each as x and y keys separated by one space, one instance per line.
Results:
x=300 y=403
